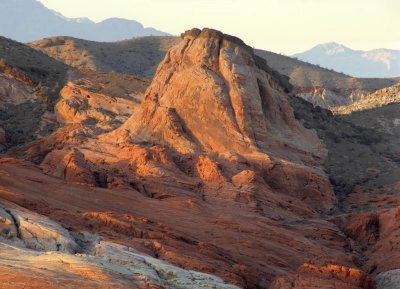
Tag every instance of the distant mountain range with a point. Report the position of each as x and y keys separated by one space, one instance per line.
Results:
x=28 y=20
x=373 y=63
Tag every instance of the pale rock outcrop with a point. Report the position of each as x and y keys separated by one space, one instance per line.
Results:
x=33 y=231
x=112 y=266
x=245 y=177
x=156 y=271
x=8 y=229
x=388 y=280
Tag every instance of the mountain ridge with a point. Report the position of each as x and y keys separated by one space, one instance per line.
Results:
x=29 y=20
x=380 y=62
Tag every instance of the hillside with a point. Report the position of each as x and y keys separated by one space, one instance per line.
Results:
x=323 y=87
x=138 y=56
x=379 y=98
x=375 y=63
x=378 y=111
x=29 y=20
x=30 y=82
x=25 y=61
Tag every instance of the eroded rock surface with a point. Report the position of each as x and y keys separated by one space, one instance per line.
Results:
x=210 y=93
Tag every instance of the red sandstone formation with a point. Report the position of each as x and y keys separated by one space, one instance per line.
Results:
x=211 y=173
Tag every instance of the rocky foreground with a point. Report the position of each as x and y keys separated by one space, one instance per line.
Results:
x=215 y=176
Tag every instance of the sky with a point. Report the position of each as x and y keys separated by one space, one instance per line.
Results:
x=283 y=26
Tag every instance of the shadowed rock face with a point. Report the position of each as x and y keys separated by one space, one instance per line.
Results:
x=3 y=141
x=29 y=85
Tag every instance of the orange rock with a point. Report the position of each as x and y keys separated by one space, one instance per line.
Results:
x=69 y=165
x=208 y=170
x=325 y=276
x=212 y=94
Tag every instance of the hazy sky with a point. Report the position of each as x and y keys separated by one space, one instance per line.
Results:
x=286 y=26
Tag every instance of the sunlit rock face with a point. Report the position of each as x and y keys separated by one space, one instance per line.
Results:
x=211 y=93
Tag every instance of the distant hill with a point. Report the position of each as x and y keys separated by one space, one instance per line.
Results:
x=324 y=87
x=383 y=97
x=138 y=56
x=374 y=63
x=28 y=20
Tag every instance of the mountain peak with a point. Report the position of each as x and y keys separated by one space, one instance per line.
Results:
x=332 y=48
x=329 y=45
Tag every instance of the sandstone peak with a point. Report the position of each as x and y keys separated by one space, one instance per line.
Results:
x=211 y=93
